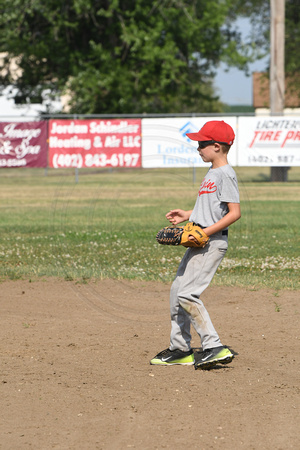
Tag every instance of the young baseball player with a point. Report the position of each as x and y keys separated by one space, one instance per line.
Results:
x=217 y=206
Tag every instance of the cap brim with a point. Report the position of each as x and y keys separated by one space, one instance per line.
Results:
x=198 y=137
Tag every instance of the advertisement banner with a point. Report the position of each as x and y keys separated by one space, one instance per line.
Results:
x=165 y=143
x=95 y=143
x=269 y=141
x=23 y=144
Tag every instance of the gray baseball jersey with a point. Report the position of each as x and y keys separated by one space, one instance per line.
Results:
x=218 y=188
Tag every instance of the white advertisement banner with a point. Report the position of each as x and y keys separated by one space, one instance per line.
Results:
x=165 y=144
x=269 y=141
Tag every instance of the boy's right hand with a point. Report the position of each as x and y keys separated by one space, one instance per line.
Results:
x=176 y=216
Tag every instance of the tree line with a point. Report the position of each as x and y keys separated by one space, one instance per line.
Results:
x=133 y=56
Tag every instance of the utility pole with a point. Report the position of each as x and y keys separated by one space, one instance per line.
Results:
x=277 y=73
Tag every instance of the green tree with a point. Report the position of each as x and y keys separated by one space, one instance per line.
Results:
x=121 y=56
x=292 y=44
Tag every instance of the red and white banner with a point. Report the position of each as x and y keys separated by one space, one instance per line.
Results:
x=95 y=143
x=23 y=144
x=269 y=141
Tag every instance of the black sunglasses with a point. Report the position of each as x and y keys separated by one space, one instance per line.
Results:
x=203 y=144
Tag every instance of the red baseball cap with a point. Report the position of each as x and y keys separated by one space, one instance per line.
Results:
x=215 y=130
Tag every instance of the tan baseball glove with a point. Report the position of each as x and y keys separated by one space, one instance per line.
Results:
x=180 y=236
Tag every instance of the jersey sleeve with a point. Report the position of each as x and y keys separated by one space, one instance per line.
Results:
x=229 y=189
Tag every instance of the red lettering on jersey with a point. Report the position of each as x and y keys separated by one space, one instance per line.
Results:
x=207 y=187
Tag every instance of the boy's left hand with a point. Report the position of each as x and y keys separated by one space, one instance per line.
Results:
x=189 y=236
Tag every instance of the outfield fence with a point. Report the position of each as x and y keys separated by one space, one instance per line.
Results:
x=158 y=142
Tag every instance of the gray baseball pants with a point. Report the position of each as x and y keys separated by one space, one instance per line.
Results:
x=194 y=274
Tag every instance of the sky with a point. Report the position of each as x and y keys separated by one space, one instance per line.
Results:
x=234 y=87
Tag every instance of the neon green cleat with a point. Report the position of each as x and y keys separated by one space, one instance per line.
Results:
x=212 y=356
x=171 y=357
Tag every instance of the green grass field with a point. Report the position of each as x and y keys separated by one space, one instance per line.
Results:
x=104 y=226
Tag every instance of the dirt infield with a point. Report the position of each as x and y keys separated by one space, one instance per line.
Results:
x=75 y=370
